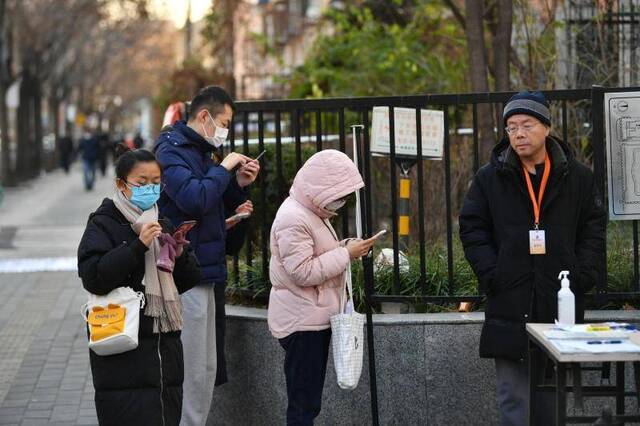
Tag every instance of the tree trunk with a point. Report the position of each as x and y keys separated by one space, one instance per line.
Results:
x=228 y=10
x=54 y=106
x=478 y=73
x=6 y=175
x=502 y=50
x=37 y=127
x=27 y=166
x=5 y=159
x=22 y=132
x=502 y=44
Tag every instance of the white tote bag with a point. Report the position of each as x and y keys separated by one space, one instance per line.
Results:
x=347 y=338
x=113 y=320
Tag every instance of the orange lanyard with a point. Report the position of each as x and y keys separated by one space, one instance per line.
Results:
x=543 y=185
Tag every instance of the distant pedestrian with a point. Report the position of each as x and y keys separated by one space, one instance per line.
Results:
x=65 y=150
x=120 y=247
x=138 y=141
x=103 y=152
x=128 y=141
x=308 y=272
x=177 y=111
x=90 y=151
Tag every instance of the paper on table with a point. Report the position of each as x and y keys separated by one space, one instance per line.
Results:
x=580 y=331
x=581 y=346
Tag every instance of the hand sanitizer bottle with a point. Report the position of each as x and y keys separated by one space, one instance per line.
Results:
x=566 y=301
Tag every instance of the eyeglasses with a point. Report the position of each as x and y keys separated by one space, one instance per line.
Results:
x=512 y=130
x=154 y=188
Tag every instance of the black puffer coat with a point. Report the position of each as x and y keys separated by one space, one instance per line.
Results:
x=495 y=221
x=142 y=386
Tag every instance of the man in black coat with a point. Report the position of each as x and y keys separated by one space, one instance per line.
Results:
x=530 y=213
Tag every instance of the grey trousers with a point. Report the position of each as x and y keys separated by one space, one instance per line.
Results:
x=512 y=380
x=199 y=348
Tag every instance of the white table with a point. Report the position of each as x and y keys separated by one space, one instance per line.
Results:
x=562 y=361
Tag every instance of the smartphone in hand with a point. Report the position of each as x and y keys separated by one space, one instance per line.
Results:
x=167 y=226
x=239 y=216
x=185 y=227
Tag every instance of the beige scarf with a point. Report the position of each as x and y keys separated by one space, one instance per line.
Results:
x=163 y=300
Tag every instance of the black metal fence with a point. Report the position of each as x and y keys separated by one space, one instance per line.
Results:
x=295 y=129
x=292 y=130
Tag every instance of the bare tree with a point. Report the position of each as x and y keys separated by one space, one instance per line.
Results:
x=498 y=15
x=5 y=81
x=502 y=44
x=478 y=69
x=218 y=32
x=63 y=49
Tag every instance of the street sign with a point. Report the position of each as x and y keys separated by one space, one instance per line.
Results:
x=622 y=120
x=432 y=123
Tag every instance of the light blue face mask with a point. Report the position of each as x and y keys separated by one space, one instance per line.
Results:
x=145 y=196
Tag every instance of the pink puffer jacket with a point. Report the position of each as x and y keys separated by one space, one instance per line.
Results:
x=308 y=262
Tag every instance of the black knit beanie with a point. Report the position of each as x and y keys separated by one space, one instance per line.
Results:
x=529 y=103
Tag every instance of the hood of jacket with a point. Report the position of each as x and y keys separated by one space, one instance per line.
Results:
x=327 y=176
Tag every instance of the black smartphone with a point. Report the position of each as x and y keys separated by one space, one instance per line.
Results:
x=185 y=227
x=167 y=226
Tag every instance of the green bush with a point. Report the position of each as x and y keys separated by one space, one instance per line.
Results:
x=253 y=287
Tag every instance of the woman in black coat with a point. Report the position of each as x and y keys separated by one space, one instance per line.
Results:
x=144 y=385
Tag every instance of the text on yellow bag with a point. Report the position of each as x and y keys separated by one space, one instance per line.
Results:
x=106 y=322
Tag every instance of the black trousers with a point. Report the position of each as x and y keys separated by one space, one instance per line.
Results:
x=305 y=366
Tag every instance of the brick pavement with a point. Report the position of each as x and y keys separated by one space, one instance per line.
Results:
x=44 y=360
x=44 y=367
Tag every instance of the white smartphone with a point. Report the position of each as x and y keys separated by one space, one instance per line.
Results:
x=239 y=216
x=380 y=233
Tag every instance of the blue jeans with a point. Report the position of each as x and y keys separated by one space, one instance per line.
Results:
x=89 y=168
x=305 y=366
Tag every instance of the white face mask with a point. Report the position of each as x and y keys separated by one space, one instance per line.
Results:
x=335 y=205
x=219 y=137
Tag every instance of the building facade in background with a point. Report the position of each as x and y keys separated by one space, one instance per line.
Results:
x=269 y=39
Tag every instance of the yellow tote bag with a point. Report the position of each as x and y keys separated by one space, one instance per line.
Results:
x=113 y=320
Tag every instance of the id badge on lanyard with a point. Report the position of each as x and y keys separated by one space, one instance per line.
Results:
x=537 y=240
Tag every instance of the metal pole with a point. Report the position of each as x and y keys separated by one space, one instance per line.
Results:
x=355 y=160
x=367 y=265
x=599 y=171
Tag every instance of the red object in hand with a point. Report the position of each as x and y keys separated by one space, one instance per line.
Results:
x=180 y=242
x=167 y=257
x=171 y=247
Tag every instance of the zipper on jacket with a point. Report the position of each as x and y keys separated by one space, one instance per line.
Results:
x=555 y=191
x=161 y=381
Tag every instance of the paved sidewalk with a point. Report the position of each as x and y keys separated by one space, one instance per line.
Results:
x=44 y=359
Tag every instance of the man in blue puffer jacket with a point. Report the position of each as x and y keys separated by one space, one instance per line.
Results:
x=200 y=189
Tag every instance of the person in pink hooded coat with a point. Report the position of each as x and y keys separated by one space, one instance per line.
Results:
x=307 y=272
